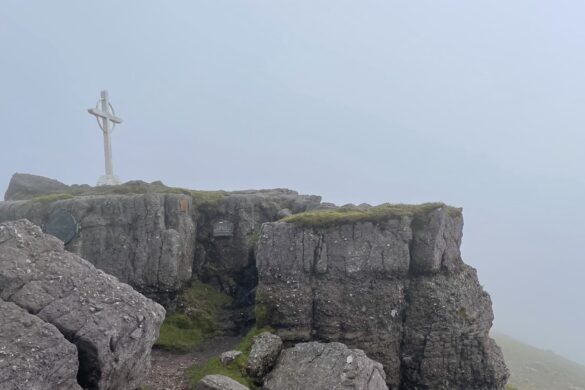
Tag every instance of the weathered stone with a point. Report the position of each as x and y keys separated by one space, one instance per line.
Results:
x=144 y=240
x=396 y=288
x=331 y=366
x=228 y=357
x=112 y=326
x=263 y=354
x=34 y=355
x=219 y=382
x=23 y=186
x=284 y=213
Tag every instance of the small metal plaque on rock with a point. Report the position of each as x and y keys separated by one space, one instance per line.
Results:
x=223 y=229
x=62 y=225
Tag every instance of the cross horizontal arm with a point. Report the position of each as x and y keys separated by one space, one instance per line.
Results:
x=105 y=115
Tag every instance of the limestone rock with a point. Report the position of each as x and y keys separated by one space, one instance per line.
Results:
x=228 y=357
x=112 y=326
x=34 y=355
x=144 y=240
x=263 y=354
x=331 y=366
x=219 y=382
x=23 y=186
x=395 y=287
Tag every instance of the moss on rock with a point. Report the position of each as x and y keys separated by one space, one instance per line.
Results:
x=197 y=320
x=199 y=198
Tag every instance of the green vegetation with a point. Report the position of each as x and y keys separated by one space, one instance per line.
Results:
x=235 y=370
x=200 y=198
x=349 y=215
x=184 y=331
x=49 y=198
x=535 y=369
x=263 y=311
x=253 y=239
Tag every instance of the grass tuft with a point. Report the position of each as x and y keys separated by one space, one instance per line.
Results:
x=235 y=370
x=351 y=215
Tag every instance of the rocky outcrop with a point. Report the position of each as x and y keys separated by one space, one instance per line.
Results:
x=263 y=354
x=325 y=366
x=389 y=280
x=112 y=326
x=219 y=382
x=23 y=186
x=34 y=355
x=145 y=240
x=151 y=236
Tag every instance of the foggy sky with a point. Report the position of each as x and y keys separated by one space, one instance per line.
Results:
x=479 y=104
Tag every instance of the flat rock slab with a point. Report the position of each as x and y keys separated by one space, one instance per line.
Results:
x=34 y=355
x=24 y=186
x=329 y=366
x=112 y=325
x=219 y=382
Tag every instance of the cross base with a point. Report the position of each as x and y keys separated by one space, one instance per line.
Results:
x=108 y=180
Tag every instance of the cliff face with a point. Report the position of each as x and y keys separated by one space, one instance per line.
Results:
x=389 y=281
x=145 y=240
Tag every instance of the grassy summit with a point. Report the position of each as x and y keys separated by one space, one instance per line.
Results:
x=133 y=188
x=350 y=215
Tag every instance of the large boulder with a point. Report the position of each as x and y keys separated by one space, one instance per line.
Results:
x=23 y=186
x=389 y=280
x=331 y=366
x=145 y=240
x=263 y=354
x=34 y=355
x=112 y=325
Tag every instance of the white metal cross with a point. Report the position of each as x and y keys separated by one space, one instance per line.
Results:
x=104 y=113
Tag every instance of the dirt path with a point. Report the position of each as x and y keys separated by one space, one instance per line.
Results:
x=167 y=370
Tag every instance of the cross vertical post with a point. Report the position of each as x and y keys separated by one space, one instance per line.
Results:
x=106 y=131
x=104 y=113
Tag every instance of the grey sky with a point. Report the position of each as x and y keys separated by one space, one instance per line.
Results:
x=476 y=103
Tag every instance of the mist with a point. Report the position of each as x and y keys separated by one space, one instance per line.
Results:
x=476 y=104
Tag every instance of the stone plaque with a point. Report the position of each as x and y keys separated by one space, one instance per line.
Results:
x=62 y=225
x=223 y=229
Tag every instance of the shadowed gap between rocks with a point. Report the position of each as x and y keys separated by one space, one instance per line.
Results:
x=89 y=373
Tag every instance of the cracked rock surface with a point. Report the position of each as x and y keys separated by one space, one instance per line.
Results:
x=34 y=355
x=396 y=288
x=112 y=326
x=325 y=366
x=263 y=354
